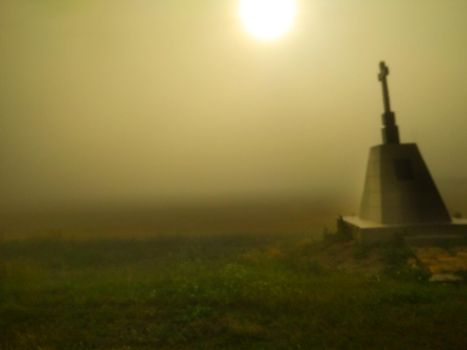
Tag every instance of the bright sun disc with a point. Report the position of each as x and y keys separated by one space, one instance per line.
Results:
x=267 y=19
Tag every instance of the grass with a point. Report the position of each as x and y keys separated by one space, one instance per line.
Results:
x=216 y=292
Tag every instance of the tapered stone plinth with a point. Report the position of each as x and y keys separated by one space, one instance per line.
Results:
x=399 y=188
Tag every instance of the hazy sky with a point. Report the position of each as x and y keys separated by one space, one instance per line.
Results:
x=128 y=100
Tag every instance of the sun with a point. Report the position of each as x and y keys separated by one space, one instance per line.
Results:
x=267 y=19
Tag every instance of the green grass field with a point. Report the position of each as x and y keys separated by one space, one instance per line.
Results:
x=217 y=292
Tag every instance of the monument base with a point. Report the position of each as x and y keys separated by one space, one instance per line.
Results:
x=427 y=233
x=399 y=188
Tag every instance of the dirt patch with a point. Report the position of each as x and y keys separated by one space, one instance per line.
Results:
x=438 y=260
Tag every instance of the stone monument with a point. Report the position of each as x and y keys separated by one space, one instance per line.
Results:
x=399 y=196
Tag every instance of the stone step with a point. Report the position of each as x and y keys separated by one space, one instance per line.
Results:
x=436 y=240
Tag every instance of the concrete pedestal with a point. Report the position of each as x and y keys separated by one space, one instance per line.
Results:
x=401 y=198
x=399 y=188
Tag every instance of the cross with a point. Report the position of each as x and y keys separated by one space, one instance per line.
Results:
x=384 y=71
x=383 y=74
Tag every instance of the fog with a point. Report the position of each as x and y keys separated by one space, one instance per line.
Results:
x=157 y=102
